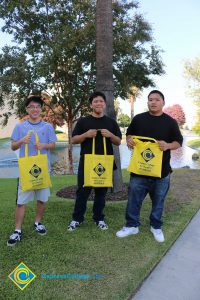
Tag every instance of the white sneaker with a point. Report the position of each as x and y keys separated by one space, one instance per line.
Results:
x=73 y=225
x=102 y=225
x=158 y=234
x=125 y=231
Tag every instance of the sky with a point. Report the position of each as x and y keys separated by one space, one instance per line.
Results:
x=176 y=30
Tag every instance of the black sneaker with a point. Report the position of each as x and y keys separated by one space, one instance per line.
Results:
x=40 y=229
x=73 y=225
x=16 y=236
x=102 y=225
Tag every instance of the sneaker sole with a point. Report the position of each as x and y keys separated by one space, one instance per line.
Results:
x=105 y=228
x=70 y=229
x=159 y=241
x=120 y=236
x=40 y=233
x=11 y=245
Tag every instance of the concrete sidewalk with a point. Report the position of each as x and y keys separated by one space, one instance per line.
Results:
x=177 y=276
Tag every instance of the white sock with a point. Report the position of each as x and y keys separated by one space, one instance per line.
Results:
x=19 y=230
x=36 y=223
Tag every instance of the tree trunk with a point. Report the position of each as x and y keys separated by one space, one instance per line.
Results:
x=132 y=101
x=134 y=92
x=104 y=73
x=70 y=168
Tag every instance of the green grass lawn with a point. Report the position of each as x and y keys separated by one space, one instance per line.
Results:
x=3 y=140
x=62 y=137
x=194 y=143
x=121 y=264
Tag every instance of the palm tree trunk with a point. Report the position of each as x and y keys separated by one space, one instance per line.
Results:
x=132 y=107
x=104 y=72
x=70 y=169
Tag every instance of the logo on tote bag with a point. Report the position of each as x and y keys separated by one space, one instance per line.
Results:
x=147 y=155
x=35 y=171
x=99 y=169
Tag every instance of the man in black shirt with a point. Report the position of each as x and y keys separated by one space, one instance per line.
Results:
x=160 y=126
x=95 y=125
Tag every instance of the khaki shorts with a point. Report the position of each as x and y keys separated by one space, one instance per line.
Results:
x=25 y=197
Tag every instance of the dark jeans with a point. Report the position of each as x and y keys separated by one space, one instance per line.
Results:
x=82 y=195
x=139 y=187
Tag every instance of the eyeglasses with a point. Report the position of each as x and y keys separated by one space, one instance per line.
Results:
x=31 y=107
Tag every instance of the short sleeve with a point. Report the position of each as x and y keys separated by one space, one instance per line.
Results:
x=15 y=136
x=117 y=130
x=78 y=129
x=176 y=134
x=52 y=134
x=131 y=128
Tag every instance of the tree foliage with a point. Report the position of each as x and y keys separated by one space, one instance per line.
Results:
x=55 y=50
x=196 y=127
x=124 y=120
x=117 y=108
x=192 y=73
x=176 y=112
x=57 y=53
x=135 y=57
x=58 y=48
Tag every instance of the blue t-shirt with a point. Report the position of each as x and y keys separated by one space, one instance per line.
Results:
x=45 y=132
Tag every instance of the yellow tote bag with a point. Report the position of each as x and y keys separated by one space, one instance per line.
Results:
x=147 y=157
x=33 y=170
x=98 y=168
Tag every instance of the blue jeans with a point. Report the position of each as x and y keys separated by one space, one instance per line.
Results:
x=139 y=187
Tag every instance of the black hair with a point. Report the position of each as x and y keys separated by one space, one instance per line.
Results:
x=37 y=99
x=96 y=94
x=157 y=92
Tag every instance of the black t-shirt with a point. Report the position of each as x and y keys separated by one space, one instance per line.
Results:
x=161 y=127
x=86 y=123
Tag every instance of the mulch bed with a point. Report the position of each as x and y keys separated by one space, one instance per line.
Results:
x=184 y=187
x=70 y=193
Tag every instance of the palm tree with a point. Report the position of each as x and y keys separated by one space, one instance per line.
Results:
x=134 y=92
x=104 y=73
x=117 y=108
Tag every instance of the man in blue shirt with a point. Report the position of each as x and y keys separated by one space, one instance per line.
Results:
x=23 y=134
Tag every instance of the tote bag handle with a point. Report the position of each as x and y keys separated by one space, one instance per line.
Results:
x=104 y=145
x=36 y=139
x=143 y=138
